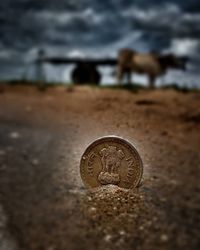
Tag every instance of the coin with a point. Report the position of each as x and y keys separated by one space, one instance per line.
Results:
x=111 y=160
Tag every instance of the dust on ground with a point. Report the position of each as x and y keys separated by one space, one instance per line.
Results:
x=44 y=203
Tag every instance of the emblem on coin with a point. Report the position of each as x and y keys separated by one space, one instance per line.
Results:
x=111 y=160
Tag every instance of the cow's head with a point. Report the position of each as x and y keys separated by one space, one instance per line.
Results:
x=173 y=61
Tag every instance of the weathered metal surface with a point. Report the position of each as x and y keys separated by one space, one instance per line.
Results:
x=111 y=161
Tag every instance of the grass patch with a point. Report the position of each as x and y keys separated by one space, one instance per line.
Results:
x=178 y=88
x=129 y=87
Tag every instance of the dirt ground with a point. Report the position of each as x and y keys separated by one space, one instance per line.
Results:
x=43 y=203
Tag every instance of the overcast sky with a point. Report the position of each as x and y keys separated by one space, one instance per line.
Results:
x=97 y=29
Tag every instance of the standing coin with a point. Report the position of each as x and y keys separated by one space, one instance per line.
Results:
x=111 y=161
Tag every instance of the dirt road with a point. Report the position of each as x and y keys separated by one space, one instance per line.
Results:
x=42 y=137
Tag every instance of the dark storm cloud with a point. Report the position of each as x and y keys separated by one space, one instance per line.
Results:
x=96 y=27
x=31 y=23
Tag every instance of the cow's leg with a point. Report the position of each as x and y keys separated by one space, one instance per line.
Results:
x=120 y=73
x=152 y=79
x=129 y=77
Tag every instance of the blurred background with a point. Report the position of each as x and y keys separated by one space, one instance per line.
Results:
x=96 y=29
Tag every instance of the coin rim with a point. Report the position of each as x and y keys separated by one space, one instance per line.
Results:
x=110 y=137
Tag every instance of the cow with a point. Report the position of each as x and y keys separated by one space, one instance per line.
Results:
x=152 y=64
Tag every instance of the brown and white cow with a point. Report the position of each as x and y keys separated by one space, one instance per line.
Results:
x=152 y=64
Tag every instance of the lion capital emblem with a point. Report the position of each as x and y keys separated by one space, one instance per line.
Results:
x=111 y=160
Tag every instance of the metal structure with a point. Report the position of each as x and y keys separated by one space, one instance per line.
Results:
x=86 y=69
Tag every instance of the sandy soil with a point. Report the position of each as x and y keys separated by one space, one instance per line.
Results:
x=42 y=137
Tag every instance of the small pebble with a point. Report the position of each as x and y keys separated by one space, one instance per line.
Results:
x=14 y=135
x=28 y=108
x=164 y=237
x=89 y=198
x=155 y=218
x=35 y=162
x=163 y=199
x=50 y=248
x=141 y=228
x=92 y=210
x=149 y=223
x=108 y=237
x=3 y=167
x=9 y=148
x=122 y=232
x=2 y=152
